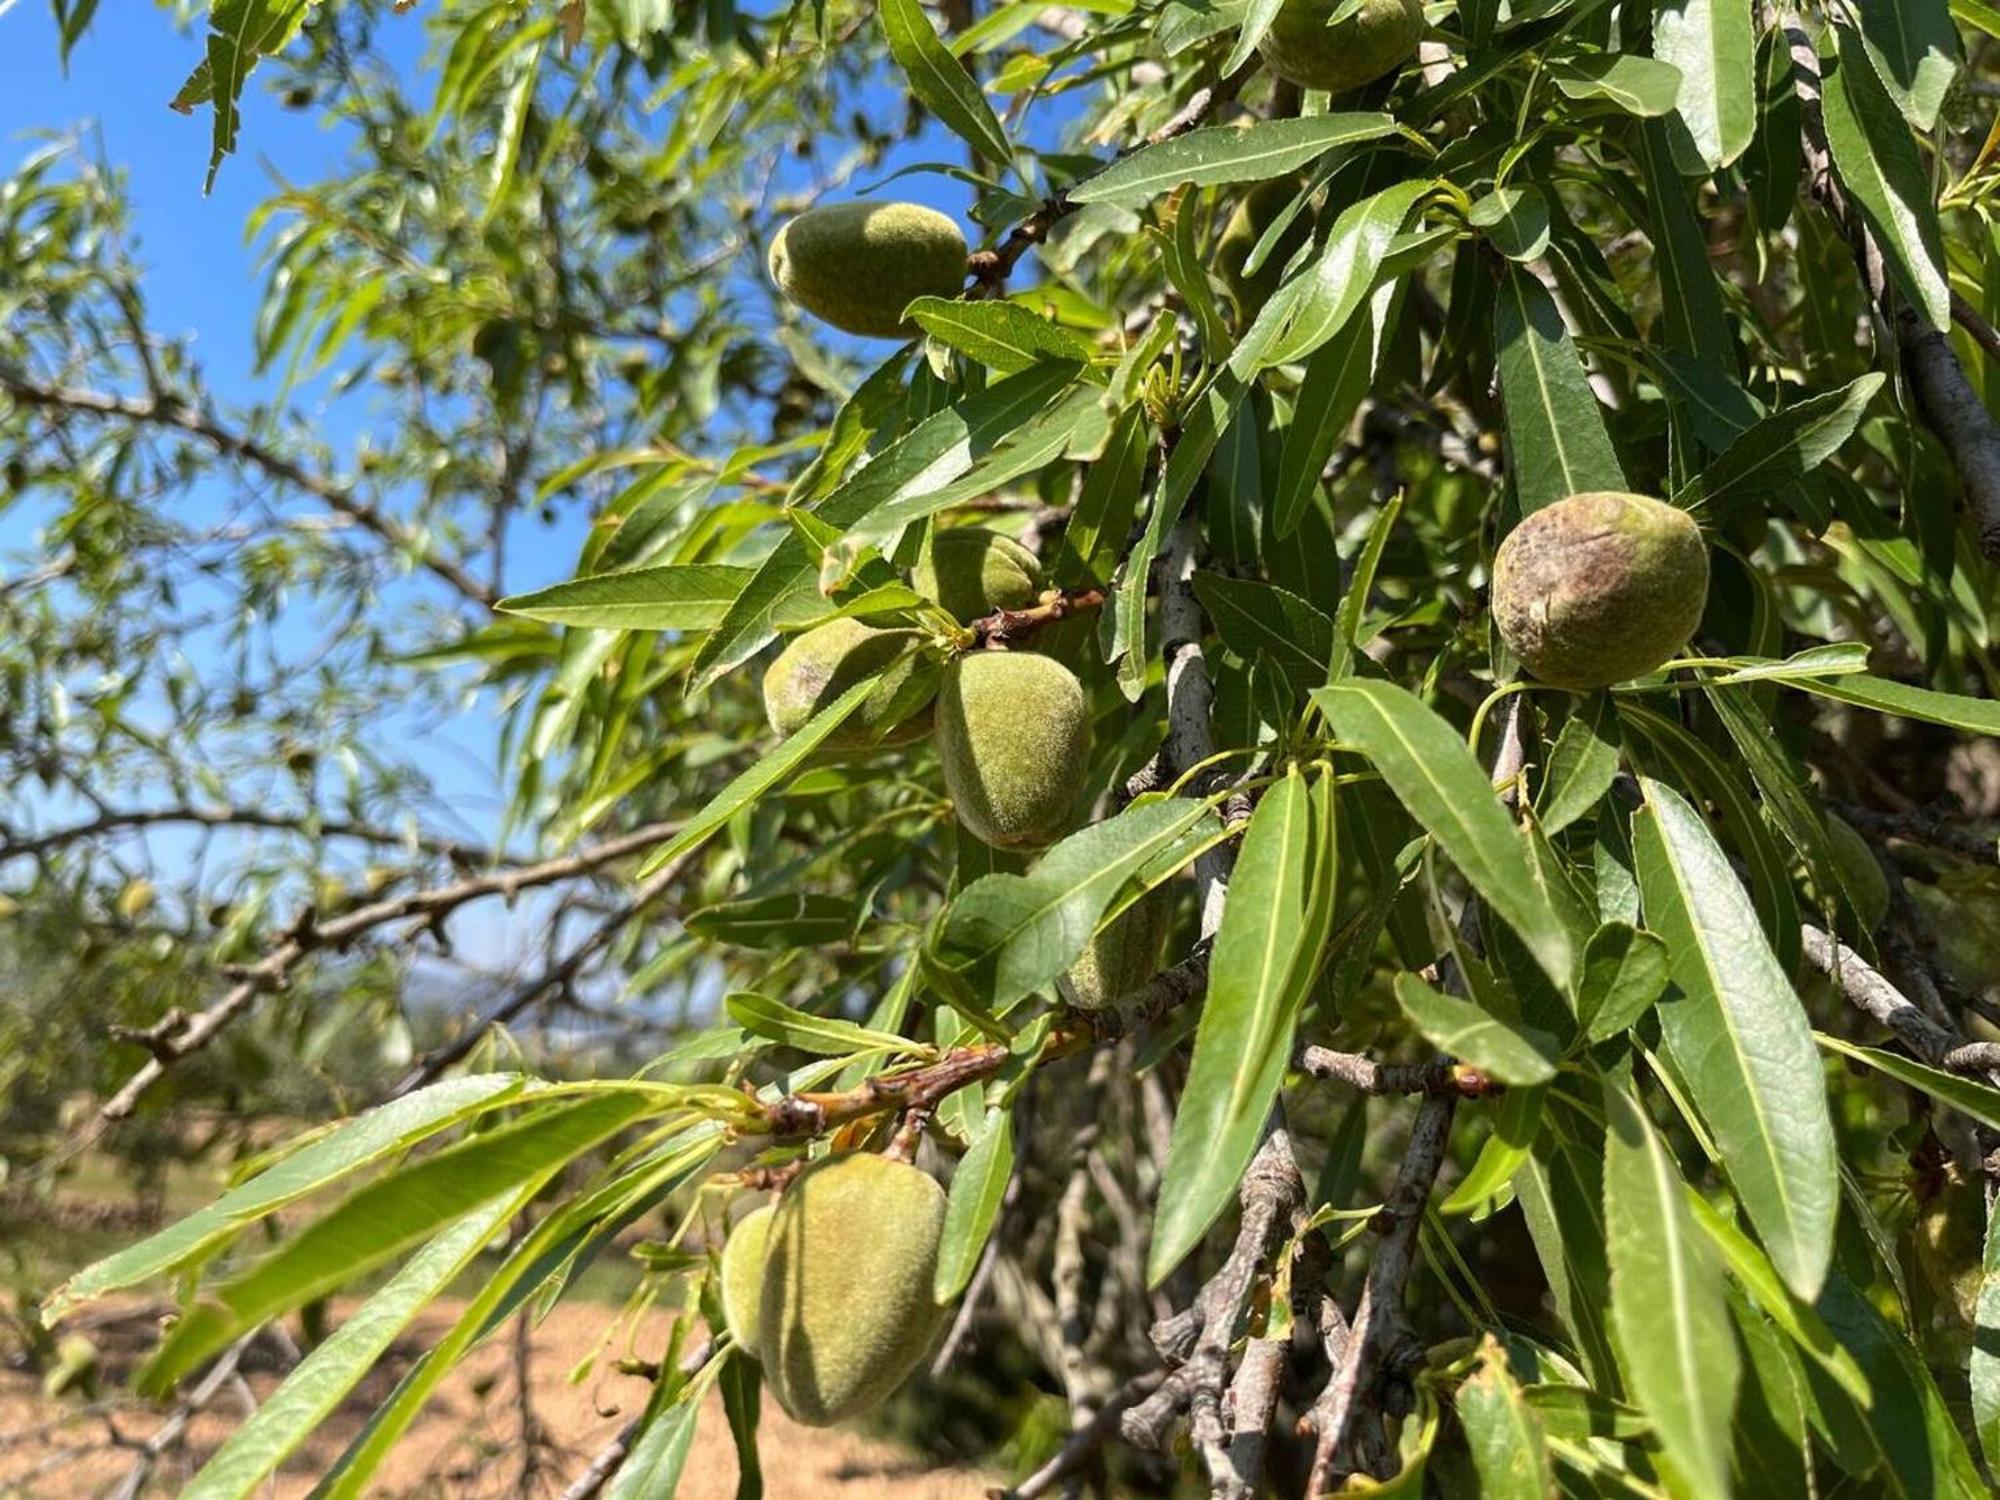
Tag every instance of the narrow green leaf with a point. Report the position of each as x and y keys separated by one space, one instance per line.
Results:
x=978 y=1188
x=1556 y=435
x=940 y=81
x=659 y=1450
x=1515 y=221
x=1028 y=449
x=1669 y=1312
x=1780 y=450
x=347 y=1147
x=1354 y=603
x=1331 y=289
x=1884 y=174
x=534 y=1263
x=1739 y=1037
x=381 y=1220
x=1582 y=765
x=1266 y=954
x=1511 y=1053
x=1003 y=336
x=1976 y=715
x=741 y=1385
x=1433 y=774
x=1707 y=775
x=1753 y=1270
x=331 y=1371
x=786 y=919
x=1923 y=1454
x=1915 y=48
x=1515 y=1126
x=1692 y=319
x=827 y=1036
x=1227 y=153
x=764 y=774
x=1714 y=44
x=1970 y=1097
x=1253 y=617
x=1983 y=1371
x=690 y=597
x=1330 y=393
x=935 y=453
x=1561 y=1192
x=1834 y=659
x=1575 y=1414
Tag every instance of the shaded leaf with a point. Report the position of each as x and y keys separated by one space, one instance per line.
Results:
x=1557 y=440
x=1642 y=86
x=1885 y=177
x=1624 y=972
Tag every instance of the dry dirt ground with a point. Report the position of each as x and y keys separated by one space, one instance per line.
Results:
x=468 y=1444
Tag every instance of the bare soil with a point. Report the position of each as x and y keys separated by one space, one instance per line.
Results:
x=469 y=1443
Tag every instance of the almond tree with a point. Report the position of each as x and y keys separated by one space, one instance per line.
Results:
x=1332 y=761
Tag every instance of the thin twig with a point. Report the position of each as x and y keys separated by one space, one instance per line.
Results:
x=1438 y=1077
x=309 y=935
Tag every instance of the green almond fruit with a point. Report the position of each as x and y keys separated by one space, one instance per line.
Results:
x=1600 y=588
x=743 y=1256
x=1376 y=39
x=1013 y=737
x=822 y=663
x=858 y=265
x=971 y=572
x=1122 y=956
x=846 y=1311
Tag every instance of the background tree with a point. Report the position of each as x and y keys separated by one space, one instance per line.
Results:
x=1513 y=1079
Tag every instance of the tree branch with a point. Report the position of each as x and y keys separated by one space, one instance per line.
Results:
x=308 y=935
x=1347 y=1418
x=126 y=820
x=177 y=416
